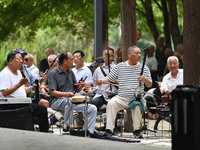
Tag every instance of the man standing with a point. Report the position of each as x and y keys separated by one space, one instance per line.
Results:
x=151 y=63
x=61 y=82
x=28 y=60
x=160 y=56
x=128 y=74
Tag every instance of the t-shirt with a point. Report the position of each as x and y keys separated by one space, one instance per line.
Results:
x=8 y=79
x=127 y=76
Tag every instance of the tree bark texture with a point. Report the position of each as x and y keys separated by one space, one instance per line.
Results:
x=150 y=19
x=166 y=23
x=191 y=41
x=173 y=23
x=128 y=26
x=105 y=24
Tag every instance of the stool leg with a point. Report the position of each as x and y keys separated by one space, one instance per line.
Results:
x=69 y=116
x=86 y=116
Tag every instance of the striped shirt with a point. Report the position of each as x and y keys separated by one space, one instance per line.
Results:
x=127 y=76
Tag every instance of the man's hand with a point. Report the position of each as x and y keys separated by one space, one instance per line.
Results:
x=69 y=94
x=23 y=81
x=167 y=92
x=142 y=78
x=99 y=82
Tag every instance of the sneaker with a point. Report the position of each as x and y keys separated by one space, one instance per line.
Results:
x=137 y=134
x=108 y=133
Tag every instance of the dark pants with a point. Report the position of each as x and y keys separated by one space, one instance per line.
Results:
x=40 y=112
x=99 y=101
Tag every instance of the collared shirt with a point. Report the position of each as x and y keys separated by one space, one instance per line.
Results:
x=99 y=75
x=31 y=77
x=34 y=70
x=60 y=81
x=82 y=73
x=170 y=83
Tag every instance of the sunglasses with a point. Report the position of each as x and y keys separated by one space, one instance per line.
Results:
x=26 y=60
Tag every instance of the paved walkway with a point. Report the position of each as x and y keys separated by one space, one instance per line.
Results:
x=12 y=139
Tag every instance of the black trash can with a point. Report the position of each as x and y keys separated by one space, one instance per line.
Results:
x=186 y=117
x=16 y=116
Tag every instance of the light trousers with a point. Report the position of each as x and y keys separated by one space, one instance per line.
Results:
x=62 y=105
x=118 y=103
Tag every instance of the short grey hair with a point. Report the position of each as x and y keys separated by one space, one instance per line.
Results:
x=52 y=55
x=31 y=56
x=131 y=48
x=172 y=57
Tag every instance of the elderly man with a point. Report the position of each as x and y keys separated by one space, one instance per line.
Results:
x=51 y=59
x=61 y=82
x=173 y=78
x=28 y=60
x=12 y=84
x=128 y=74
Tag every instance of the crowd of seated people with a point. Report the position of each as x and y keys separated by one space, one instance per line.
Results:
x=59 y=82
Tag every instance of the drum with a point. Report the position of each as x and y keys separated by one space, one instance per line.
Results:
x=80 y=99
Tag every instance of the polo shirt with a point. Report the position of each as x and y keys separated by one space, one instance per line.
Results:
x=60 y=81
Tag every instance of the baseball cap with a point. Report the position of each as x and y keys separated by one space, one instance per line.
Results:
x=97 y=61
x=21 y=51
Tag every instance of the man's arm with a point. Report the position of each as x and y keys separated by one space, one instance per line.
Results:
x=13 y=88
x=57 y=94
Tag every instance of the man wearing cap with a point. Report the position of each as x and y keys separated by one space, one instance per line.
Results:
x=98 y=62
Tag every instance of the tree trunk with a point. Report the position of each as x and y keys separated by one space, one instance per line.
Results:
x=191 y=43
x=128 y=25
x=150 y=19
x=173 y=23
x=166 y=23
x=105 y=24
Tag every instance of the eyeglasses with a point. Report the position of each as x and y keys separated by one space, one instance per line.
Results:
x=26 y=60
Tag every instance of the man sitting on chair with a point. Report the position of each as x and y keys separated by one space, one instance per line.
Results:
x=128 y=74
x=12 y=84
x=61 y=83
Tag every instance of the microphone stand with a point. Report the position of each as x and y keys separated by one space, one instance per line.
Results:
x=138 y=96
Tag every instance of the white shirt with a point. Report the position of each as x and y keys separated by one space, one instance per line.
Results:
x=170 y=83
x=151 y=63
x=34 y=70
x=106 y=87
x=82 y=73
x=8 y=79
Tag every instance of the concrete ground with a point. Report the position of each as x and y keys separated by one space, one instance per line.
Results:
x=28 y=140
x=12 y=139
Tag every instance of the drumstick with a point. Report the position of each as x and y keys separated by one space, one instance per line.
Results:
x=100 y=89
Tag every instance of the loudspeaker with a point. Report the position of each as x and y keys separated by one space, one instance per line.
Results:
x=185 y=117
x=16 y=116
